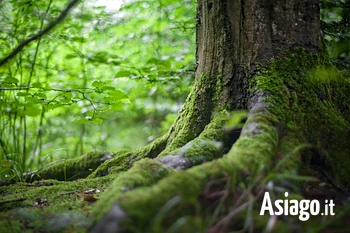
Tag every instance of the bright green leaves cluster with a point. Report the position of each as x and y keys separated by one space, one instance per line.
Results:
x=98 y=77
x=335 y=16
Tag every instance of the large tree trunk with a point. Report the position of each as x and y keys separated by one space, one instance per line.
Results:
x=248 y=57
x=259 y=55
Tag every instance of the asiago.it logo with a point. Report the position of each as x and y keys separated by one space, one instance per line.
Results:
x=294 y=207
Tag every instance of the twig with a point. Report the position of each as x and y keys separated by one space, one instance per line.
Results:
x=48 y=28
x=14 y=200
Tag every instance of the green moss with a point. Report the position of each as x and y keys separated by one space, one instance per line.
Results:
x=49 y=205
x=252 y=151
x=75 y=168
x=291 y=101
x=154 y=198
x=121 y=162
x=207 y=146
x=303 y=92
x=124 y=159
x=143 y=173
x=261 y=221
x=258 y=147
x=145 y=205
x=195 y=115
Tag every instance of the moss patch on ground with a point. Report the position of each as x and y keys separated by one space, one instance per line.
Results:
x=50 y=205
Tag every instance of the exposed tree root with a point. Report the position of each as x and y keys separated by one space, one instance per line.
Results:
x=140 y=204
x=269 y=141
x=209 y=180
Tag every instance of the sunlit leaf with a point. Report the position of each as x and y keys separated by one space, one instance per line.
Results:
x=122 y=73
x=32 y=111
x=82 y=121
x=98 y=84
x=125 y=101
x=42 y=95
x=23 y=94
x=97 y=121
x=33 y=99
x=11 y=80
x=37 y=84
x=101 y=57
x=108 y=88
x=153 y=60
x=117 y=106
x=71 y=56
x=117 y=94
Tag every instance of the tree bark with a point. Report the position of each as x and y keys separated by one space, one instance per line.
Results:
x=240 y=45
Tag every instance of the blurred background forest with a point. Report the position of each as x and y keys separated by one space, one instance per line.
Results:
x=112 y=75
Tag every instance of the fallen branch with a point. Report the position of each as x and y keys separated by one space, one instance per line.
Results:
x=48 y=28
x=13 y=200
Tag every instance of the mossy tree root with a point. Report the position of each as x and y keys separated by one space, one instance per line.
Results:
x=275 y=128
x=141 y=207
x=97 y=164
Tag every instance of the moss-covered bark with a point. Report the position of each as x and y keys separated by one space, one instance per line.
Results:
x=287 y=111
x=276 y=128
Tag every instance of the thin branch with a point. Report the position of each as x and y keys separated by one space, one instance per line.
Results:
x=14 y=88
x=48 y=28
x=14 y=200
x=45 y=89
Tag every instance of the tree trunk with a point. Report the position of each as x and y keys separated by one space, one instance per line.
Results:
x=254 y=55
x=258 y=55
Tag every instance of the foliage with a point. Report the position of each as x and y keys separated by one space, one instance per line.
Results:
x=335 y=19
x=89 y=84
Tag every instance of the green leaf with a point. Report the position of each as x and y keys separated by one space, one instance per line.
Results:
x=23 y=93
x=98 y=84
x=108 y=100
x=68 y=95
x=7 y=85
x=122 y=73
x=101 y=57
x=78 y=39
x=97 y=121
x=153 y=60
x=125 y=101
x=65 y=101
x=32 y=111
x=37 y=85
x=108 y=88
x=11 y=80
x=71 y=56
x=82 y=121
x=117 y=95
x=166 y=64
x=41 y=95
x=116 y=106
x=115 y=62
x=33 y=100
